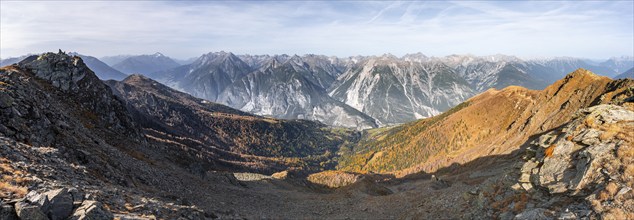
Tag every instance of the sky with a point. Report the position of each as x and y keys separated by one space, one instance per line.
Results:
x=185 y=29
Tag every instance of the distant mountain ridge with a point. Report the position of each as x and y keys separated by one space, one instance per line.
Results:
x=400 y=90
x=145 y=64
x=627 y=74
x=103 y=70
x=390 y=89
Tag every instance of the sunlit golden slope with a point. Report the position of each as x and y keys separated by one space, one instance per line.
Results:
x=494 y=122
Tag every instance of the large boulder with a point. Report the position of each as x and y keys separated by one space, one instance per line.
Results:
x=54 y=204
x=33 y=206
x=61 y=204
x=7 y=212
x=29 y=211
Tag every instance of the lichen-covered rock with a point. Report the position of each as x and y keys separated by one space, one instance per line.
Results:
x=582 y=165
x=572 y=161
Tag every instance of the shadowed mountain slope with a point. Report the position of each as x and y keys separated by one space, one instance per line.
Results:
x=224 y=138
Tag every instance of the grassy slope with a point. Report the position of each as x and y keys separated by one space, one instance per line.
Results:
x=494 y=122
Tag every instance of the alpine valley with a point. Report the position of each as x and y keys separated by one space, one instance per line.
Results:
x=315 y=137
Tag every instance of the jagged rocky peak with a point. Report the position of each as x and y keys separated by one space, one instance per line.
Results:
x=388 y=55
x=62 y=70
x=274 y=62
x=216 y=58
x=297 y=62
x=579 y=78
x=136 y=78
x=415 y=57
x=581 y=72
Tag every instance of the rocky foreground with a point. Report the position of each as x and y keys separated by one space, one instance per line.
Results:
x=582 y=170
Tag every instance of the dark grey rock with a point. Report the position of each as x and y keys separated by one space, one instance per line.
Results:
x=7 y=212
x=78 y=197
x=28 y=211
x=532 y=214
x=91 y=210
x=40 y=200
x=61 y=204
x=5 y=100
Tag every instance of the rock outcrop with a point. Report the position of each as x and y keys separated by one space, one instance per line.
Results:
x=91 y=209
x=59 y=204
x=585 y=165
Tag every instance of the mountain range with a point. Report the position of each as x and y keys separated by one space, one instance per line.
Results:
x=385 y=89
x=357 y=92
x=145 y=64
x=74 y=146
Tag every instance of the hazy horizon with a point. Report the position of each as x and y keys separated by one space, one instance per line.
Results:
x=594 y=30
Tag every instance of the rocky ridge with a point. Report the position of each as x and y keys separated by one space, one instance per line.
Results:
x=396 y=92
x=61 y=128
x=390 y=89
x=494 y=122
x=145 y=64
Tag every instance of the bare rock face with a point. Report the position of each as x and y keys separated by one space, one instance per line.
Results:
x=26 y=104
x=584 y=167
x=570 y=162
x=61 y=70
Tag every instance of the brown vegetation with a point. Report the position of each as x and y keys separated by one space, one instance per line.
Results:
x=549 y=151
x=492 y=123
x=333 y=179
x=13 y=182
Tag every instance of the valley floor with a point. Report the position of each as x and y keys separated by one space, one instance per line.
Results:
x=456 y=196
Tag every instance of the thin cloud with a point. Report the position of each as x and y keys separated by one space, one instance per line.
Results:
x=187 y=29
